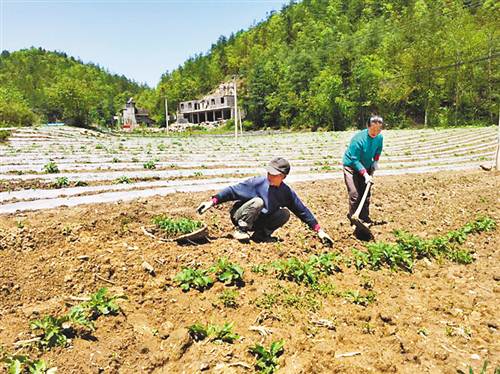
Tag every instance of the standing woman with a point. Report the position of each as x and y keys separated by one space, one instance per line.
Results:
x=360 y=162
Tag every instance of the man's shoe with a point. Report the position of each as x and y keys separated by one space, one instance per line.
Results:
x=261 y=237
x=367 y=221
x=240 y=235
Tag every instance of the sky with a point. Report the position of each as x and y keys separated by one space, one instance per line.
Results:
x=139 y=39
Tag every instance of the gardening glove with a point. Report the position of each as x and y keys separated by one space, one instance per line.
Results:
x=205 y=206
x=368 y=178
x=325 y=238
x=374 y=166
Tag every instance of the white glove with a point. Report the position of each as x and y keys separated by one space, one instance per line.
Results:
x=205 y=206
x=325 y=238
x=375 y=165
x=368 y=178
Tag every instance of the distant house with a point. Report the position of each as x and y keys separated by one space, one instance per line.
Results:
x=215 y=107
x=131 y=117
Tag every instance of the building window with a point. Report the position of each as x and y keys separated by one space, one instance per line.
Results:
x=189 y=105
x=182 y=106
x=213 y=101
x=222 y=100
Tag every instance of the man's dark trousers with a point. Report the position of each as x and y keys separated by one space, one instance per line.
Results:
x=247 y=216
x=356 y=186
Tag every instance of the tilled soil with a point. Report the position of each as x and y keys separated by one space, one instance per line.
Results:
x=437 y=319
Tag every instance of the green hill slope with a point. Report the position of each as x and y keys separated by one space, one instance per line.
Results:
x=330 y=63
x=40 y=86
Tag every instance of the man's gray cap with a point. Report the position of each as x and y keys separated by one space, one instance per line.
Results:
x=277 y=166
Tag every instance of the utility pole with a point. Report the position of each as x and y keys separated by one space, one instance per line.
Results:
x=497 y=160
x=235 y=110
x=166 y=113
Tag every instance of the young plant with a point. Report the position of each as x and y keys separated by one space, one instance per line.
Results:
x=61 y=182
x=52 y=332
x=176 y=226
x=227 y=272
x=193 y=278
x=326 y=263
x=18 y=364
x=102 y=304
x=149 y=164
x=228 y=298
x=214 y=332
x=268 y=360
x=296 y=270
x=51 y=168
x=355 y=297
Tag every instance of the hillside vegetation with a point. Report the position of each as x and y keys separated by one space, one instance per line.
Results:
x=330 y=63
x=315 y=64
x=40 y=86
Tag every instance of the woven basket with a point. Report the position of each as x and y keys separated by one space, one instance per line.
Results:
x=195 y=236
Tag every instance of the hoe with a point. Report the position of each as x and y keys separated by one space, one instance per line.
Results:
x=361 y=226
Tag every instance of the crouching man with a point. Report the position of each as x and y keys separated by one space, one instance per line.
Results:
x=261 y=205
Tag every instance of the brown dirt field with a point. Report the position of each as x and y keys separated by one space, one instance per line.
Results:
x=41 y=267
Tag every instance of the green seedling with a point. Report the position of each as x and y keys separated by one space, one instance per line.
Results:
x=19 y=364
x=260 y=269
x=227 y=272
x=61 y=182
x=54 y=331
x=355 y=297
x=193 y=278
x=149 y=164
x=215 y=333
x=326 y=263
x=81 y=184
x=268 y=360
x=102 y=304
x=228 y=298
x=296 y=270
x=176 y=226
x=460 y=256
x=51 y=331
x=51 y=168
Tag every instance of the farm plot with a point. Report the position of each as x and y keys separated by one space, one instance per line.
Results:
x=52 y=167
x=86 y=291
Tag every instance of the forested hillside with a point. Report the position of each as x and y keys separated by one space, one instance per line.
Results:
x=40 y=86
x=329 y=63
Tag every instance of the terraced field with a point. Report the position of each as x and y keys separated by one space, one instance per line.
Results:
x=98 y=168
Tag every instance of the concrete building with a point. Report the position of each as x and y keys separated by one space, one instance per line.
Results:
x=215 y=107
x=131 y=117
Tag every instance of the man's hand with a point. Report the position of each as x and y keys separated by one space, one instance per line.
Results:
x=375 y=165
x=325 y=238
x=368 y=178
x=205 y=206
